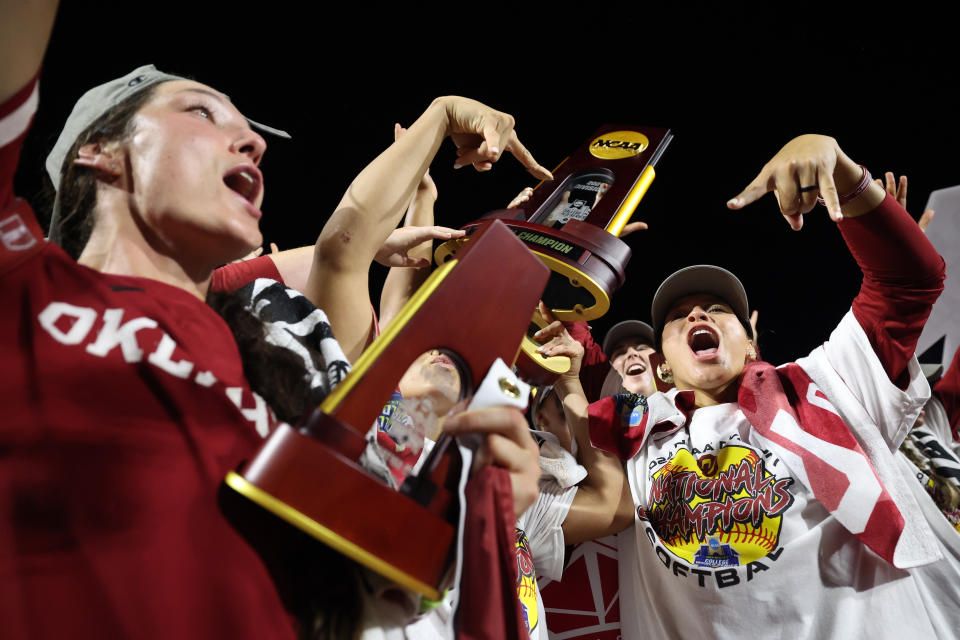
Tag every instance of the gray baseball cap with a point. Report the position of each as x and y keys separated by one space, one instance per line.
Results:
x=96 y=102
x=700 y=278
x=625 y=329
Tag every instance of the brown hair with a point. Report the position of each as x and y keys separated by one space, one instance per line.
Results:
x=77 y=193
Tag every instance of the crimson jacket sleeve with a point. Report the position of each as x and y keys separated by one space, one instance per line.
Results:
x=594 y=368
x=20 y=234
x=902 y=278
x=231 y=277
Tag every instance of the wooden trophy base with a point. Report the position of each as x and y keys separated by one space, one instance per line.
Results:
x=392 y=534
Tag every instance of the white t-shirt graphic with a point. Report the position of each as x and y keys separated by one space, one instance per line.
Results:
x=728 y=541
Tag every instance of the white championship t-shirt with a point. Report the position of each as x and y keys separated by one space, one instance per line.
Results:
x=726 y=542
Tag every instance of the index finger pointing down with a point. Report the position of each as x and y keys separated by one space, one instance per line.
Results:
x=757 y=188
x=526 y=158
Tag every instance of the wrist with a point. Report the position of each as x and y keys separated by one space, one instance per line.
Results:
x=847 y=174
x=855 y=187
x=567 y=383
x=440 y=106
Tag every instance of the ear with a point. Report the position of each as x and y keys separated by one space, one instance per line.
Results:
x=105 y=158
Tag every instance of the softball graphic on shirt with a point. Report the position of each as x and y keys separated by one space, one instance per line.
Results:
x=526 y=580
x=718 y=510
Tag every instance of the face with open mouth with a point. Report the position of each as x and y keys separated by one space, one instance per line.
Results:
x=550 y=418
x=630 y=357
x=190 y=166
x=432 y=374
x=704 y=343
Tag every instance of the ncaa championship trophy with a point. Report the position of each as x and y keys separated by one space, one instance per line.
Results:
x=573 y=225
x=311 y=477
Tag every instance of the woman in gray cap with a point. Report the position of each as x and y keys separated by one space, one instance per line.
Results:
x=126 y=397
x=768 y=498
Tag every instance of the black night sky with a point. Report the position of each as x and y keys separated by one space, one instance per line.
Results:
x=733 y=84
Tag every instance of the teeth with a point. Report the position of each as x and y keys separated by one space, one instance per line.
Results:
x=703 y=339
x=243 y=182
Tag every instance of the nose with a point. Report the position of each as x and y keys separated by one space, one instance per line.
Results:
x=249 y=143
x=697 y=314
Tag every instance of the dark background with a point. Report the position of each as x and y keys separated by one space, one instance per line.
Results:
x=734 y=84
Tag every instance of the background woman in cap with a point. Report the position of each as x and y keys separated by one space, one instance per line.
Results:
x=769 y=498
x=621 y=364
x=126 y=400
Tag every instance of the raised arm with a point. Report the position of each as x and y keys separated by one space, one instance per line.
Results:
x=595 y=366
x=377 y=198
x=902 y=273
x=414 y=263
x=603 y=504
x=24 y=32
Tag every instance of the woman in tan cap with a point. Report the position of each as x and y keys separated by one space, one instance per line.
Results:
x=768 y=499
x=126 y=397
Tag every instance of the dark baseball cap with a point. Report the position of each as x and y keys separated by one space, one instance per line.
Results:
x=626 y=329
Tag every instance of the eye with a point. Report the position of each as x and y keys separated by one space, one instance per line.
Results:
x=717 y=308
x=676 y=313
x=201 y=111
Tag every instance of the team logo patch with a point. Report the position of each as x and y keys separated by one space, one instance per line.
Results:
x=526 y=580
x=719 y=511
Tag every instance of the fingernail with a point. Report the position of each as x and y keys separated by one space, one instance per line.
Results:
x=732 y=202
x=458 y=165
x=494 y=150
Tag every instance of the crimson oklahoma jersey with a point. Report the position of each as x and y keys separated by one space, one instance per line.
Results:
x=124 y=405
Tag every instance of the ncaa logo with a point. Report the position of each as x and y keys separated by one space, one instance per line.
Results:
x=617 y=145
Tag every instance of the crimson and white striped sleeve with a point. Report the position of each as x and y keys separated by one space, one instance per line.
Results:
x=16 y=114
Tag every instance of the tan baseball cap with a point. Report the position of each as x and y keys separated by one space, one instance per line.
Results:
x=96 y=102
x=700 y=278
